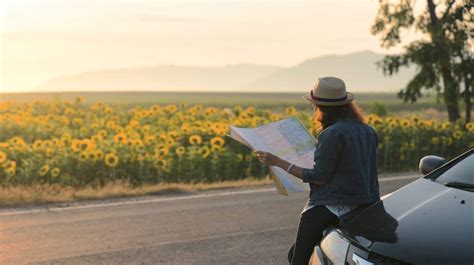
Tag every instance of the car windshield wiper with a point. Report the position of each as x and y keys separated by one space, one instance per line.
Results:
x=462 y=185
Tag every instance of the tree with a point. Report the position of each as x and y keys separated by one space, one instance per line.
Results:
x=443 y=55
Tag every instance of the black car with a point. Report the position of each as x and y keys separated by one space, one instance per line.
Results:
x=429 y=221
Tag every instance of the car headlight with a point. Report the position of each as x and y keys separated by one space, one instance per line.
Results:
x=358 y=256
x=360 y=260
x=334 y=247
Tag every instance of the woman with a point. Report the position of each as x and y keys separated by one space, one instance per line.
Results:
x=344 y=176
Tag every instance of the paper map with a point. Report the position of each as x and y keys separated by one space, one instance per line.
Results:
x=287 y=139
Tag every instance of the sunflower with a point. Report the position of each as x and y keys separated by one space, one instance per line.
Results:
x=3 y=157
x=290 y=111
x=447 y=140
x=134 y=123
x=103 y=133
x=192 y=111
x=120 y=138
x=170 y=141
x=155 y=108
x=119 y=129
x=149 y=139
x=111 y=159
x=180 y=150
x=457 y=134
x=217 y=127
x=11 y=163
x=98 y=154
x=161 y=136
x=66 y=139
x=55 y=141
x=430 y=123
x=48 y=143
x=195 y=139
x=405 y=123
x=136 y=142
x=69 y=111
x=204 y=151
x=55 y=172
x=377 y=121
x=162 y=151
x=160 y=163
x=77 y=121
x=170 y=108
x=107 y=110
x=185 y=128
x=75 y=145
x=250 y=110
x=38 y=144
x=209 y=111
x=470 y=126
x=84 y=156
x=415 y=119
x=97 y=138
x=92 y=156
x=18 y=141
x=49 y=152
x=435 y=140
x=87 y=145
x=217 y=141
x=392 y=125
x=146 y=128
x=274 y=117
x=44 y=170
x=64 y=120
x=111 y=125
x=173 y=133
x=216 y=148
x=11 y=171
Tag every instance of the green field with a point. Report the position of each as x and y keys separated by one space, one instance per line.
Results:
x=275 y=101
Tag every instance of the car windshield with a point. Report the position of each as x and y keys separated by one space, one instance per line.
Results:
x=461 y=172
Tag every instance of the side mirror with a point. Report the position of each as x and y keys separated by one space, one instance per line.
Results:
x=430 y=163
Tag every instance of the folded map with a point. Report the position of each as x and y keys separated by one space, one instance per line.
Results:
x=287 y=139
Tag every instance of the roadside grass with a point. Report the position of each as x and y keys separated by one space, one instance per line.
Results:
x=50 y=193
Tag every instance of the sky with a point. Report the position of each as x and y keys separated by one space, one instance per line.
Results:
x=43 y=39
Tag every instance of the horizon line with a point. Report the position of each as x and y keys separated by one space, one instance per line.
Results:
x=179 y=91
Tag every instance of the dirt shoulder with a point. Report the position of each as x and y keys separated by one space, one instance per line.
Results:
x=60 y=196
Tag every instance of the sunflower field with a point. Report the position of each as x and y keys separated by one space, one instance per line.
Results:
x=76 y=144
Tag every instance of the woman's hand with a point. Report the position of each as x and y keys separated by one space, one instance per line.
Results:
x=267 y=158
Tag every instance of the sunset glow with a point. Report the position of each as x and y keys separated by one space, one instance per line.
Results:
x=41 y=41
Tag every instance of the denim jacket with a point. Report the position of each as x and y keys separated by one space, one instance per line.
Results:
x=346 y=158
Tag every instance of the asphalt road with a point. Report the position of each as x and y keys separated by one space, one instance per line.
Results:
x=238 y=226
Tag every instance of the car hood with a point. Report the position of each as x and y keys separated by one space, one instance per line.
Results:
x=423 y=222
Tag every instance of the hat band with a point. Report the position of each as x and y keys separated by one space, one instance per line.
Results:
x=328 y=99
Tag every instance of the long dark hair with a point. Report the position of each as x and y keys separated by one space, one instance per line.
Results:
x=328 y=115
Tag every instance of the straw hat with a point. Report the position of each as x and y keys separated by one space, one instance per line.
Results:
x=329 y=91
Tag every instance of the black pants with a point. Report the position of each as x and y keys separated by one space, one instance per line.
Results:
x=310 y=232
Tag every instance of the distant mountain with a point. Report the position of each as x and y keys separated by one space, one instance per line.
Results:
x=357 y=69
x=167 y=77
